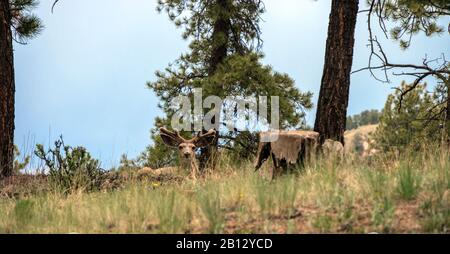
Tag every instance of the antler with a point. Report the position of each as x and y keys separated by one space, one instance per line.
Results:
x=200 y=135
x=175 y=135
x=200 y=139
x=205 y=139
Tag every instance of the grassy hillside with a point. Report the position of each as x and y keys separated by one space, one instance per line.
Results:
x=365 y=131
x=383 y=194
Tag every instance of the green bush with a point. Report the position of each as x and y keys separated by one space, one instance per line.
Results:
x=435 y=216
x=408 y=182
x=410 y=120
x=19 y=165
x=383 y=214
x=71 y=168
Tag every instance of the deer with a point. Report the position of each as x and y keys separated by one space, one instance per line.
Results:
x=289 y=148
x=333 y=149
x=186 y=150
x=294 y=147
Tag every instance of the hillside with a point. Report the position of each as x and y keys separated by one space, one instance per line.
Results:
x=365 y=131
x=405 y=195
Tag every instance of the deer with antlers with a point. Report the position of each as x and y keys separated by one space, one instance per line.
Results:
x=186 y=149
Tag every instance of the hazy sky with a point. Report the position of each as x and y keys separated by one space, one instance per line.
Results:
x=85 y=75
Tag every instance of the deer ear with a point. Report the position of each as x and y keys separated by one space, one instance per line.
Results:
x=205 y=139
x=169 y=138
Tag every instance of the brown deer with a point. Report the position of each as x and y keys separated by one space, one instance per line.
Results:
x=294 y=147
x=289 y=148
x=186 y=149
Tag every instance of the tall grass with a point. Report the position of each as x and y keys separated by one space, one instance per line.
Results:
x=410 y=193
x=171 y=215
x=408 y=182
x=209 y=200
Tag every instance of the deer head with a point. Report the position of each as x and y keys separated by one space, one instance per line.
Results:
x=187 y=147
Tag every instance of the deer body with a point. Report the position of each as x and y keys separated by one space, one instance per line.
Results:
x=186 y=147
x=147 y=171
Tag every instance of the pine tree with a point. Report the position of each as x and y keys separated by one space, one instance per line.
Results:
x=411 y=17
x=409 y=124
x=334 y=89
x=17 y=23
x=414 y=16
x=224 y=60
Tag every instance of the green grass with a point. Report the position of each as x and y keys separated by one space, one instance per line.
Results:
x=209 y=200
x=383 y=214
x=409 y=179
x=410 y=194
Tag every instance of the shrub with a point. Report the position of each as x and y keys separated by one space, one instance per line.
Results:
x=407 y=121
x=408 y=182
x=382 y=214
x=436 y=216
x=18 y=165
x=71 y=169
x=378 y=181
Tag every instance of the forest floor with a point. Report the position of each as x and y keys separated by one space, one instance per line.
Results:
x=385 y=194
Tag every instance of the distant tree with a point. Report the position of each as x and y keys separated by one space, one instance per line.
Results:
x=224 y=60
x=17 y=23
x=350 y=124
x=334 y=89
x=364 y=118
x=374 y=116
x=408 y=125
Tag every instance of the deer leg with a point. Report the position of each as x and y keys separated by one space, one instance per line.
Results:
x=194 y=170
x=262 y=154
x=275 y=168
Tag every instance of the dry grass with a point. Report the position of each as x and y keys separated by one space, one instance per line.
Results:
x=384 y=194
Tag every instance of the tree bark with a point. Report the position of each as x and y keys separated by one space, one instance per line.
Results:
x=7 y=90
x=334 y=90
x=447 y=115
x=220 y=39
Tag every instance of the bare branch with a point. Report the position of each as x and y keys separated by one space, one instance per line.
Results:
x=54 y=3
x=420 y=72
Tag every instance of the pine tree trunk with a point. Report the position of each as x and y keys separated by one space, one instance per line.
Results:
x=220 y=38
x=334 y=90
x=7 y=89
x=447 y=115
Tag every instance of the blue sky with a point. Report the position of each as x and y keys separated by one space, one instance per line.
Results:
x=85 y=76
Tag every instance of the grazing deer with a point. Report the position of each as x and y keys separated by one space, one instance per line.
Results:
x=187 y=147
x=290 y=148
x=332 y=149
x=294 y=147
